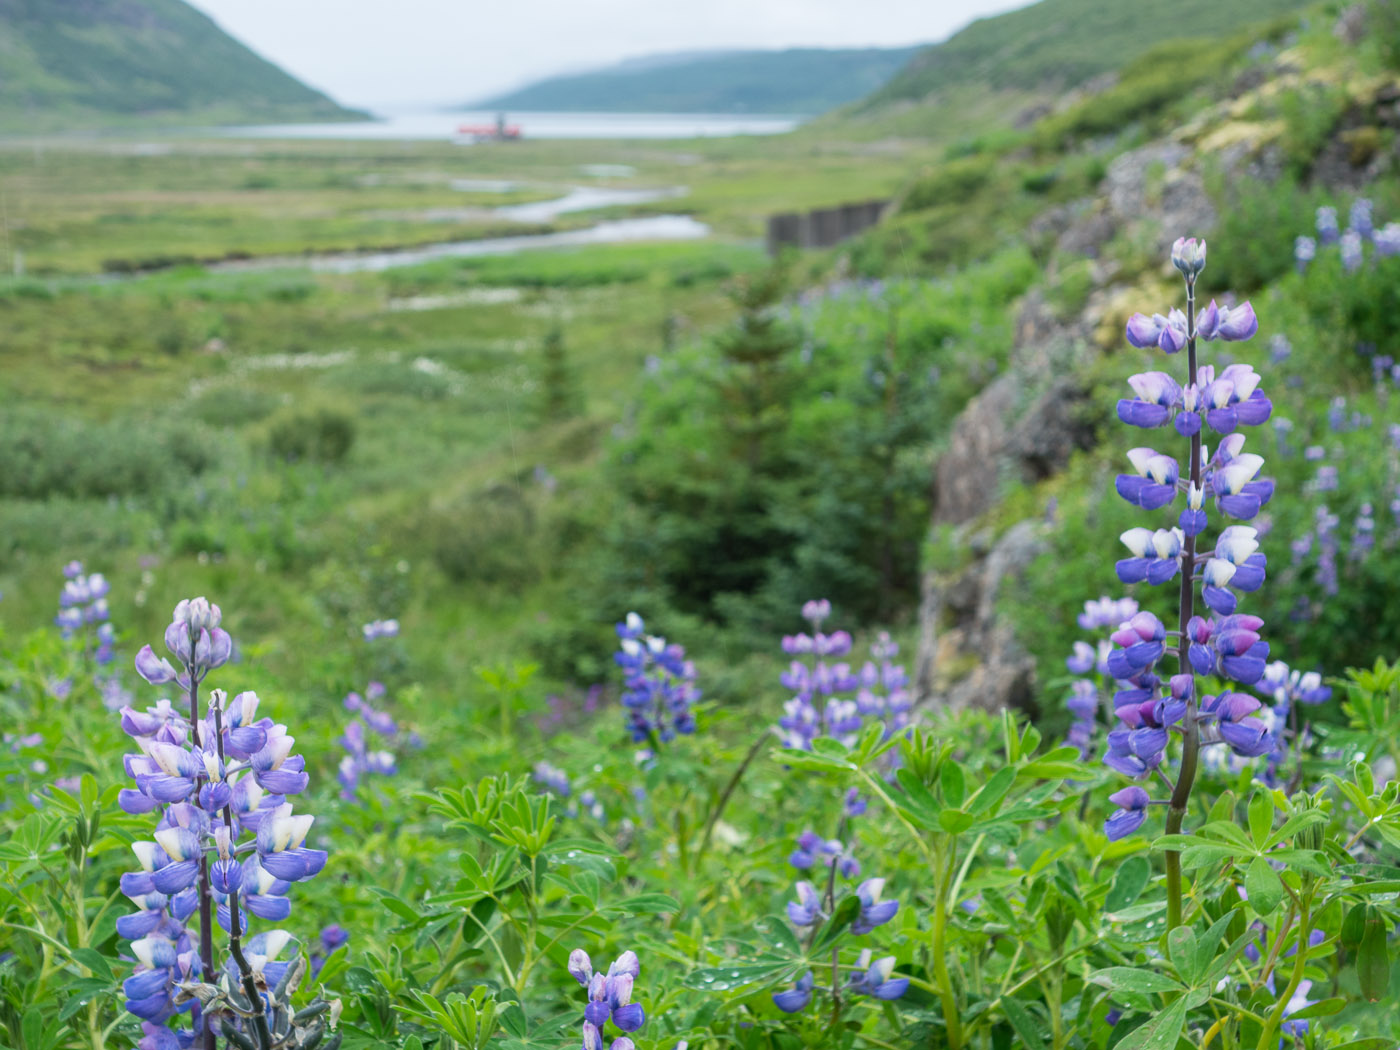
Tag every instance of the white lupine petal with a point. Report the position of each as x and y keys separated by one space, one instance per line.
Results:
x=1138 y=540
x=1218 y=572
x=1140 y=458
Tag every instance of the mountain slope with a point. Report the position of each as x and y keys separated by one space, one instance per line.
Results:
x=79 y=63
x=1064 y=42
x=801 y=80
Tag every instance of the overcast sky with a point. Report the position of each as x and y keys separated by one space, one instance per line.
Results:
x=401 y=52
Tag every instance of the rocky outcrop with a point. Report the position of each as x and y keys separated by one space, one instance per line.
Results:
x=968 y=655
x=1026 y=423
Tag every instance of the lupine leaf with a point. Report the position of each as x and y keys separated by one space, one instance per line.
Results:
x=1129 y=979
x=1161 y=1032
x=993 y=791
x=1128 y=884
x=1181 y=949
x=1262 y=884
x=1023 y=1022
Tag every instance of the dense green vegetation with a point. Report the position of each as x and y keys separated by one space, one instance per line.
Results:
x=507 y=454
x=70 y=64
x=799 y=80
x=1063 y=43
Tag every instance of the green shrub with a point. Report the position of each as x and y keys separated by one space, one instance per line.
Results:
x=950 y=183
x=50 y=455
x=493 y=537
x=317 y=435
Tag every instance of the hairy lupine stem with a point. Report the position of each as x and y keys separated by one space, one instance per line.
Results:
x=725 y=795
x=206 y=896
x=235 y=938
x=1266 y=1037
x=1190 y=732
x=940 y=956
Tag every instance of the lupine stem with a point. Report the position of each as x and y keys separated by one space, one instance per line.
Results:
x=940 y=955
x=724 y=797
x=206 y=896
x=1266 y=1037
x=235 y=939
x=1190 y=733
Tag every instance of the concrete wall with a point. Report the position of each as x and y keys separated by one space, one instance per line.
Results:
x=822 y=227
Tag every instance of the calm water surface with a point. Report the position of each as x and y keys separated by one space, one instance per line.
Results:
x=443 y=126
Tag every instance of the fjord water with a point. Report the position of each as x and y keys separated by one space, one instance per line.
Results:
x=442 y=125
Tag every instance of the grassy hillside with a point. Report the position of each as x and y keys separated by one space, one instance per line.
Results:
x=80 y=63
x=801 y=80
x=1063 y=43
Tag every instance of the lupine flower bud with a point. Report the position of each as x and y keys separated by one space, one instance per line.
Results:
x=1189 y=256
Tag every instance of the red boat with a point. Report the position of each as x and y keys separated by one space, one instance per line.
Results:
x=497 y=132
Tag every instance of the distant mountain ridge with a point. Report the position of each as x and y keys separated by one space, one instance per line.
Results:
x=72 y=64
x=797 y=80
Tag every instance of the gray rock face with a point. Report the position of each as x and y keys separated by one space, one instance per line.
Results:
x=969 y=656
x=1023 y=426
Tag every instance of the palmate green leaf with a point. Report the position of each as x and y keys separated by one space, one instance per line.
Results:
x=1129 y=979
x=1206 y=855
x=645 y=904
x=741 y=975
x=917 y=802
x=1159 y=1033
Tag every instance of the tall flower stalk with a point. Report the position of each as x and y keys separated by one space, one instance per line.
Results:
x=1223 y=643
x=215 y=776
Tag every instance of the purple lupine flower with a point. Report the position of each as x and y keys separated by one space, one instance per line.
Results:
x=1149 y=706
x=797 y=997
x=609 y=998
x=1106 y=612
x=215 y=778
x=1387 y=240
x=1351 y=251
x=876 y=978
x=1083 y=704
x=551 y=778
x=1132 y=805
x=1156 y=555
x=1189 y=256
x=1360 y=218
x=1328 y=231
x=873 y=911
x=377 y=629
x=813 y=677
x=658 y=684
x=360 y=759
x=807 y=909
x=1304 y=251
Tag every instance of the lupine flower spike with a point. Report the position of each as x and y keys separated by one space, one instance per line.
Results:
x=609 y=998
x=1214 y=638
x=227 y=845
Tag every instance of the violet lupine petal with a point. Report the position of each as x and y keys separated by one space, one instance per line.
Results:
x=629 y=1018
x=154 y=669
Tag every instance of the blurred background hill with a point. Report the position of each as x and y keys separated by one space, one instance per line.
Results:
x=72 y=64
